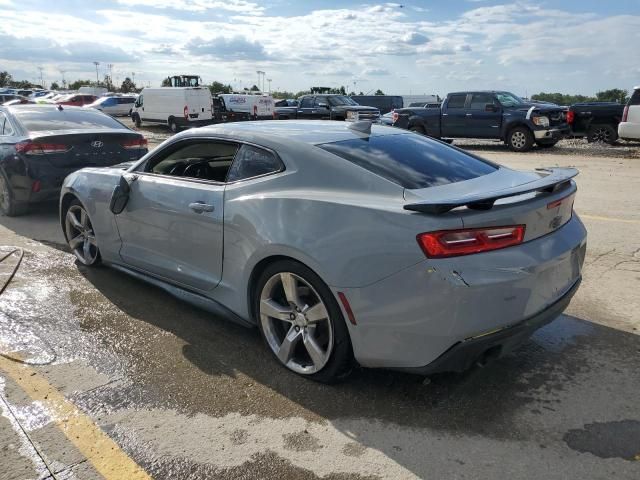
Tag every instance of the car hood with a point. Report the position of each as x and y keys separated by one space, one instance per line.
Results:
x=540 y=107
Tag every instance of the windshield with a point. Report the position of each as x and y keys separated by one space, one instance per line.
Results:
x=507 y=99
x=341 y=100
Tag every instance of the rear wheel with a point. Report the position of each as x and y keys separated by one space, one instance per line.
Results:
x=602 y=134
x=520 y=139
x=173 y=126
x=301 y=322
x=80 y=236
x=136 y=120
x=418 y=129
x=8 y=205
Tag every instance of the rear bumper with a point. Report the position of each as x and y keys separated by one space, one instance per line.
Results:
x=629 y=131
x=412 y=317
x=492 y=345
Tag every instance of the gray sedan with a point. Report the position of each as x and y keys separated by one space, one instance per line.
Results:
x=339 y=241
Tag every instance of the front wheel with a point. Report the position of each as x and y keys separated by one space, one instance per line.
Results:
x=520 y=139
x=301 y=322
x=136 y=120
x=78 y=231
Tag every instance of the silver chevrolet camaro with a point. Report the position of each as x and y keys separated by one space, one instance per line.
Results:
x=340 y=241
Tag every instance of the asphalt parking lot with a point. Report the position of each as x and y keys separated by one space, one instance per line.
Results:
x=103 y=375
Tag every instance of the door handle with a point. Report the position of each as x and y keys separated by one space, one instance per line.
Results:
x=445 y=114
x=200 y=207
x=469 y=115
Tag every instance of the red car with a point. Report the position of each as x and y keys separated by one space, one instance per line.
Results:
x=77 y=100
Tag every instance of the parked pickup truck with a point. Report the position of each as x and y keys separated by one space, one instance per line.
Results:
x=334 y=107
x=598 y=121
x=489 y=114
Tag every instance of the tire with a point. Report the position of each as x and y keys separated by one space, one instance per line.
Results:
x=520 y=139
x=173 y=126
x=292 y=335
x=136 y=120
x=547 y=144
x=602 y=134
x=418 y=129
x=79 y=234
x=8 y=205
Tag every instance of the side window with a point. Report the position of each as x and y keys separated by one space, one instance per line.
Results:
x=457 y=101
x=307 y=102
x=480 y=100
x=203 y=160
x=2 y=122
x=253 y=162
x=320 y=100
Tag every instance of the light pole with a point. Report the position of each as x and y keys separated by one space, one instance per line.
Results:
x=97 y=79
x=269 y=80
x=64 y=82
x=41 y=79
x=110 y=67
x=260 y=72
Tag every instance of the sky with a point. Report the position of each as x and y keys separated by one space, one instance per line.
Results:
x=417 y=47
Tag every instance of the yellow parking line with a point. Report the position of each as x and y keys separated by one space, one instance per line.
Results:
x=608 y=219
x=102 y=452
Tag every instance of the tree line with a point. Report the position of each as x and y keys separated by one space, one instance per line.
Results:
x=127 y=86
x=613 y=95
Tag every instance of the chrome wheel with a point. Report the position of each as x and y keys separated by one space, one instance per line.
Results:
x=518 y=140
x=296 y=323
x=80 y=235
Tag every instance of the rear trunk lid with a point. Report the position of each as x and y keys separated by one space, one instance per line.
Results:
x=542 y=201
x=89 y=148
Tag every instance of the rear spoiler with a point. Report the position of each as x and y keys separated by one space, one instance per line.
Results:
x=555 y=179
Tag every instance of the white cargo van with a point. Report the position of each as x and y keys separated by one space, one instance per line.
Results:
x=176 y=107
x=259 y=107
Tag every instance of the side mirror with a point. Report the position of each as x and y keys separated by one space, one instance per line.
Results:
x=120 y=196
x=490 y=107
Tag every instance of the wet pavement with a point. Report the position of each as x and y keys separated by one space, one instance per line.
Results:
x=102 y=375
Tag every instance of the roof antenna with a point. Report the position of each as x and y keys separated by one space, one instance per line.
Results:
x=362 y=126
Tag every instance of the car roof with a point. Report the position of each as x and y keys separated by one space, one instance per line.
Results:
x=313 y=132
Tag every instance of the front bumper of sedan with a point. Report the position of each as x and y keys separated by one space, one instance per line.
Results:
x=409 y=320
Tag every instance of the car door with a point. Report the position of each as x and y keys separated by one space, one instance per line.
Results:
x=321 y=108
x=454 y=116
x=172 y=226
x=484 y=116
x=306 y=108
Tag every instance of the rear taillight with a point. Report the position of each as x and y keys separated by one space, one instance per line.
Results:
x=452 y=243
x=135 y=143
x=33 y=148
x=625 y=113
x=186 y=112
x=570 y=116
x=36 y=186
x=394 y=116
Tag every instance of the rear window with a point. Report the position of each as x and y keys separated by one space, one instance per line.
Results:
x=45 y=119
x=635 y=98
x=412 y=161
